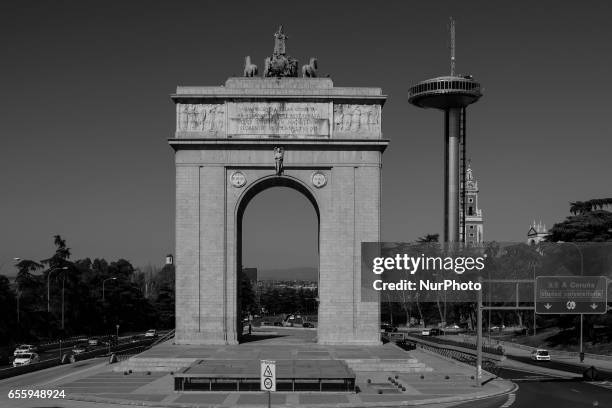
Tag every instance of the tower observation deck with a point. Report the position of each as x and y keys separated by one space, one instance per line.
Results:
x=451 y=94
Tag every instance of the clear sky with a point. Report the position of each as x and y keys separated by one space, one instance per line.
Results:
x=85 y=109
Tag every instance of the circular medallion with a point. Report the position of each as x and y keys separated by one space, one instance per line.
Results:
x=238 y=179
x=319 y=179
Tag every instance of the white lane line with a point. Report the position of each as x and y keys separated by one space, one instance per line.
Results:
x=509 y=401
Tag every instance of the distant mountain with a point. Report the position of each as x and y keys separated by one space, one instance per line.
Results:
x=299 y=273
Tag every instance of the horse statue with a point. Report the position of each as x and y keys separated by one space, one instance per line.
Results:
x=310 y=70
x=250 y=70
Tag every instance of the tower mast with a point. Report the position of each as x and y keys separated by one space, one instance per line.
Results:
x=452 y=45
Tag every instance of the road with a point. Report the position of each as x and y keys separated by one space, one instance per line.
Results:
x=560 y=365
x=547 y=392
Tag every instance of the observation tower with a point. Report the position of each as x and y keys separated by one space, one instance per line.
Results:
x=451 y=94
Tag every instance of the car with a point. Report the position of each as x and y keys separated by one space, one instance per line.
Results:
x=24 y=349
x=79 y=349
x=388 y=328
x=151 y=333
x=453 y=329
x=425 y=332
x=25 y=359
x=540 y=355
x=93 y=342
x=435 y=332
x=109 y=340
x=307 y=325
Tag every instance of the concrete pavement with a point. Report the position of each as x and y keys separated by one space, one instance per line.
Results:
x=96 y=384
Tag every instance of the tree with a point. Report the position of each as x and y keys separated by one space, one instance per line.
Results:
x=8 y=303
x=589 y=223
x=165 y=300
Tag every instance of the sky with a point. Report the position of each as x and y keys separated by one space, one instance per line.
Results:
x=85 y=112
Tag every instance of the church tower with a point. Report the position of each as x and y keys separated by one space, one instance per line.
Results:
x=537 y=233
x=474 y=234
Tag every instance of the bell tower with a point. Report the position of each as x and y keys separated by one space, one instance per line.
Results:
x=473 y=214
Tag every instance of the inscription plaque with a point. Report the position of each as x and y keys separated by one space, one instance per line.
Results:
x=278 y=119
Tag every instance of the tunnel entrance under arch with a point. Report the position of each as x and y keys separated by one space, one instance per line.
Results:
x=236 y=140
x=277 y=253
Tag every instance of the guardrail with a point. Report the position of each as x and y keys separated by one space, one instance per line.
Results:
x=490 y=362
x=69 y=356
x=573 y=354
x=164 y=337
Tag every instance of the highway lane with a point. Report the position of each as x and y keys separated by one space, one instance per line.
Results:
x=576 y=368
x=536 y=390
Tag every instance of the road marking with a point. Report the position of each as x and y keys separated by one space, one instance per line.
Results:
x=604 y=384
x=575 y=390
x=509 y=401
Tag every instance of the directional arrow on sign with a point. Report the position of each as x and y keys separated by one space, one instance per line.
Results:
x=547 y=306
x=594 y=306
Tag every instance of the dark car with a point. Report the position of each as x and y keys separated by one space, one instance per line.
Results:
x=307 y=324
x=435 y=332
x=388 y=328
x=80 y=348
x=109 y=341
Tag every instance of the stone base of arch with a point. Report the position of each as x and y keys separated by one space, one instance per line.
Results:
x=207 y=235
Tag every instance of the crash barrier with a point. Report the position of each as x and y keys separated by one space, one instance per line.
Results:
x=24 y=369
x=70 y=357
x=164 y=337
x=490 y=363
x=560 y=353
x=127 y=353
x=499 y=351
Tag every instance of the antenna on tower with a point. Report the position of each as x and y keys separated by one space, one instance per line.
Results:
x=452 y=45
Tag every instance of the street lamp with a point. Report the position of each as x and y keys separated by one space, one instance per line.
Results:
x=103 y=282
x=581 y=274
x=48 y=288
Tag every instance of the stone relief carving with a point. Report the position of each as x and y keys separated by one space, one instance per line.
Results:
x=356 y=118
x=201 y=117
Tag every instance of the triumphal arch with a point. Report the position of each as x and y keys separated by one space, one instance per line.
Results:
x=290 y=128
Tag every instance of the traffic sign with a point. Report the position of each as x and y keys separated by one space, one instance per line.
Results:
x=571 y=295
x=268 y=375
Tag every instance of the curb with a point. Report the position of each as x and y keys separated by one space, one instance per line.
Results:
x=440 y=400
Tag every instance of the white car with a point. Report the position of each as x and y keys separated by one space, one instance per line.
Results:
x=25 y=359
x=540 y=355
x=425 y=332
x=151 y=333
x=79 y=349
x=24 y=349
x=93 y=342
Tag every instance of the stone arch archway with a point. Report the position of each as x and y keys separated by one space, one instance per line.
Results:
x=225 y=153
x=258 y=187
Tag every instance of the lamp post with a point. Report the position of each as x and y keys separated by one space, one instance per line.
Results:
x=48 y=286
x=103 y=282
x=581 y=274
